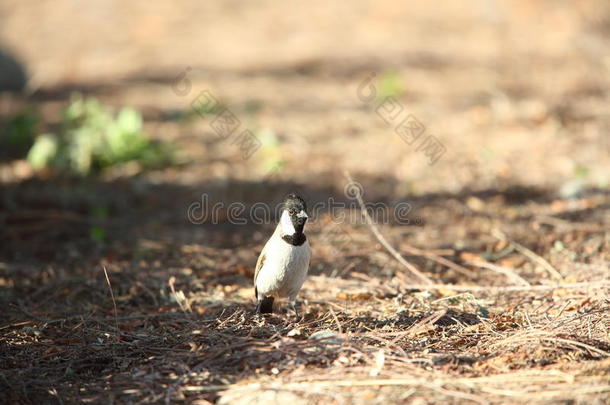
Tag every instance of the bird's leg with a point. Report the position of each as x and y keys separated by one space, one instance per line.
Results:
x=293 y=305
x=258 y=306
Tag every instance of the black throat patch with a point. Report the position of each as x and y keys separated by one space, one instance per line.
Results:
x=295 y=240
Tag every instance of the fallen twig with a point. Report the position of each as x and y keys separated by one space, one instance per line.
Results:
x=589 y=284
x=509 y=273
x=186 y=308
x=436 y=258
x=530 y=254
x=116 y=319
x=414 y=270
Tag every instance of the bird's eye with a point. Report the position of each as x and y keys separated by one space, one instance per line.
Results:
x=292 y=212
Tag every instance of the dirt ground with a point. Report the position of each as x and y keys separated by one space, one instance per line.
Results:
x=510 y=225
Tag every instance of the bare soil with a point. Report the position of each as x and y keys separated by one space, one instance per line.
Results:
x=511 y=224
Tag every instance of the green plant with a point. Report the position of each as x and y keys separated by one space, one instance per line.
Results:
x=271 y=149
x=97 y=231
x=91 y=138
x=390 y=85
x=17 y=134
x=581 y=171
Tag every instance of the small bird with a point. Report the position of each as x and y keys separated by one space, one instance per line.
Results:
x=282 y=266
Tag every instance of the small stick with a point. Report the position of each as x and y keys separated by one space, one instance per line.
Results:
x=186 y=307
x=467 y=382
x=427 y=321
x=436 y=258
x=509 y=273
x=116 y=318
x=529 y=253
x=414 y=270
x=451 y=287
x=568 y=225
x=336 y=320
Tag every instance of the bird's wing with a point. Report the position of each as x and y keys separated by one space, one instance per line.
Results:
x=261 y=257
x=259 y=263
x=259 y=266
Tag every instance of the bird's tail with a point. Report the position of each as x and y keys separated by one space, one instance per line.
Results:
x=265 y=306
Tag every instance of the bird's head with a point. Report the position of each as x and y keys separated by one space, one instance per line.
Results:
x=294 y=215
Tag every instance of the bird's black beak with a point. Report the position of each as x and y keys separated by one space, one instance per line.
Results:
x=302 y=217
x=300 y=220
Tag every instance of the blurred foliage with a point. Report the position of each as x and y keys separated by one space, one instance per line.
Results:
x=390 y=85
x=97 y=232
x=91 y=138
x=18 y=133
x=581 y=171
x=271 y=149
x=253 y=106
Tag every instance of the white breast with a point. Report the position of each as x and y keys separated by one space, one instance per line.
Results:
x=284 y=269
